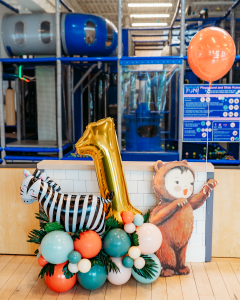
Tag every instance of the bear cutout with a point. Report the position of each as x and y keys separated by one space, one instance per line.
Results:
x=173 y=184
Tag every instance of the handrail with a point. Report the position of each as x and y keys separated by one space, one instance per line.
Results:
x=9 y=6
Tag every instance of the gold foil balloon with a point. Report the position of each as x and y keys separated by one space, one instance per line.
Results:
x=100 y=142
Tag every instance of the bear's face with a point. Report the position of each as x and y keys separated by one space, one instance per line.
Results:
x=173 y=180
x=179 y=184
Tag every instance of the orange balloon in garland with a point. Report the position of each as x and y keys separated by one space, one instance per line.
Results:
x=211 y=53
x=89 y=244
x=42 y=261
x=127 y=217
x=58 y=282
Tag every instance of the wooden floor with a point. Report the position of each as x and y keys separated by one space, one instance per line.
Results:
x=218 y=280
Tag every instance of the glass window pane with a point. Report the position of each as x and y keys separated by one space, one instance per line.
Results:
x=149 y=108
x=90 y=32
x=45 y=32
x=18 y=36
x=109 y=35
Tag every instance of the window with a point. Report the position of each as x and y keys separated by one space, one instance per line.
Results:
x=19 y=37
x=90 y=32
x=109 y=35
x=147 y=131
x=45 y=32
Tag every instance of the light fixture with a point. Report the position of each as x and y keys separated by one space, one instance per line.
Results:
x=149 y=16
x=149 y=4
x=149 y=24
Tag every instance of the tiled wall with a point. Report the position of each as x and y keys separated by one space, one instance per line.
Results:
x=142 y=196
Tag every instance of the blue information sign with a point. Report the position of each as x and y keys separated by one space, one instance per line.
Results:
x=211 y=114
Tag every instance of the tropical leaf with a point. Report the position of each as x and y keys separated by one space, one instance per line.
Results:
x=53 y=226
x=104 y=260
x=36 y=236
x=42 y=216
x=134 y=238
x=66 y=272
x=146 y=216
x=96 y=261
x=149 y=269
x=76 y=235
x=48 y=269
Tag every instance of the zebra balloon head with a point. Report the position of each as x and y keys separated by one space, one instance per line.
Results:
x=30 y=187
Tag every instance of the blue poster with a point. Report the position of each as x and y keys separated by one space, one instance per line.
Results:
x=211 y=114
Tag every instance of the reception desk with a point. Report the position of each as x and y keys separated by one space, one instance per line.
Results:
x=78 y=177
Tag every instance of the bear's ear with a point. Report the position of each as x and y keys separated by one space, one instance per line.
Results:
x=184 y=162
x=26 y=173
x=157 y=166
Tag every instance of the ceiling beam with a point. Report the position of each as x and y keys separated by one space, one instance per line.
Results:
x=38 y=6
x=204 y=3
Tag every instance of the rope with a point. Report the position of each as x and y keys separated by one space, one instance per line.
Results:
x=208 y=93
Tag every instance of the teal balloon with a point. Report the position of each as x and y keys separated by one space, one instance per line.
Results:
x=74 y=257
x=127 y=262
x=138 y=220
x=93 y=279
x=116 y=243
x=39 y=254
x=156 y=275
x=56 y=246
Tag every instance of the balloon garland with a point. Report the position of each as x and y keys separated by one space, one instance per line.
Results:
x=86 y=257
x=127 y=245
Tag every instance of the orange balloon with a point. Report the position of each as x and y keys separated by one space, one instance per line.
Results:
x=42 y=261
x=211 y=53
x=89 y=244
x=58 y=282
x=127 y=217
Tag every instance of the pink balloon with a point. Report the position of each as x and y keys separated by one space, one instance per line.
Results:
x=150 y=238
x=129 y=228
x=120 y=277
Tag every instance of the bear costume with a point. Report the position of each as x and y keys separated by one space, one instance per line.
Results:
x=173 y=184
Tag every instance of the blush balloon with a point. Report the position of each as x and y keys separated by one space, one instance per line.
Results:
x=211 y=53
x=150 y=238
x=121 y=277
x=58 y=282
x=129 y=228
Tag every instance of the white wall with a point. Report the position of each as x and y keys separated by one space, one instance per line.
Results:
x=141 y=195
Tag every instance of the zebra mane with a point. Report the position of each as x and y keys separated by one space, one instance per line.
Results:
x=31 y=182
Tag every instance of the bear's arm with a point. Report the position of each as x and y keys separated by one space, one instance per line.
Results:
x=165 y=211
x=198 y=200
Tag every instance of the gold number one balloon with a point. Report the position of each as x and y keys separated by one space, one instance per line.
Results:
x=100 y=142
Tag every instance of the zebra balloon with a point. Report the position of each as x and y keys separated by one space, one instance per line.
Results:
x=72 y=211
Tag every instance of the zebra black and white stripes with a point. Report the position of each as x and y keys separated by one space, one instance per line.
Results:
x=72 y=211
x=44 y=177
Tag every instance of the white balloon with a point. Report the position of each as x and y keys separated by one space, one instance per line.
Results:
x=73 y=268
x=134 y=252
x=121 y=277
x=84 y=265
x=139 y=263
x=150 y=238
x=129 y=228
